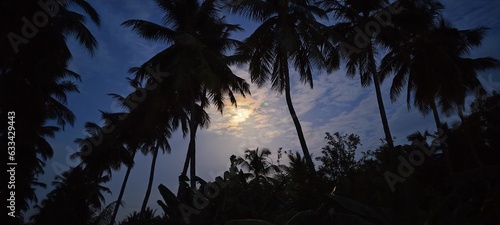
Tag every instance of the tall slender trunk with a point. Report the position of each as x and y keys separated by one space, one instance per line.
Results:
x=380 y=101
x=192 y=151
x=471 y=147
x=185 y=169
x=446 y=152
x=120 y=196
x=186 y=162
x=435 y=113
x=296 y=122
x=151 y=177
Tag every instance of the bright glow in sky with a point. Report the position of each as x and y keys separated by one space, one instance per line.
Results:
x=336 y=103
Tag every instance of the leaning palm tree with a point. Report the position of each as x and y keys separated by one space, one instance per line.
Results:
x=102 y=158
x=196 y=63
x=154 y=150
x=289 y=33
x=117 y=142
x=147 y=136
x=160 y=143
x=353 y=16
x=120 y=194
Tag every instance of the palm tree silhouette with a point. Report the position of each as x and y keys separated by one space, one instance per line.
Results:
x=34 y=79
x=428 y=55
x=148 y=217
x=106 y=156
x=103 y=158
x=289 y=33
x=353 y=16
x=126 y=133
x=196 y=61
x=257 y=162
x=152 y=172
x=434 y=67
x=73 y=188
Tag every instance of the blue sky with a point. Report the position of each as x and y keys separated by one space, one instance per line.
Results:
x=336 y=103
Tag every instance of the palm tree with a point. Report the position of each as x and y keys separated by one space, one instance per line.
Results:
x=37 y=157
x=430 y=59
x=103 y=158
x=35 y=70
x=151 y=177
x=353 y=16
x=120 y=195
x=146 y=136
x=428 y=55
x=152 y=173
x=73 y=201
x=196 y=62
x=152 y=125
x=106 y=156
x=256 y=162
x=289 y=33
x=123 y=135
x=300 y=189
x=148 y=217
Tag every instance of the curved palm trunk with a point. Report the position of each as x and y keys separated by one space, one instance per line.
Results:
x=296 y=122
x=380 y=101
x=151 y=177
x=120 y=196
x=383 y=115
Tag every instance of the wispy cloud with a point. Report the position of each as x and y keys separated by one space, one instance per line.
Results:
x=336 y=103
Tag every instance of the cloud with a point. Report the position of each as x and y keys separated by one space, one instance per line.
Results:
x=336 y=103
x=253 y=112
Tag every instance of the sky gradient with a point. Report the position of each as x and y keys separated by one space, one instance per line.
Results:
x=336 y=104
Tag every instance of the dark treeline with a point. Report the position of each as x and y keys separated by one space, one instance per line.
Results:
x=450 y=176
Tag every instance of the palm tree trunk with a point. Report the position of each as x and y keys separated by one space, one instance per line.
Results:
x=383 y=115
x=446 y=152
x=435 y=113
x=296 y=122
x=192 y=152
x=380 y=101
x=183 y=175
x=151 y=177
x=472 y=148
x=188 y=159
x=120 y=196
